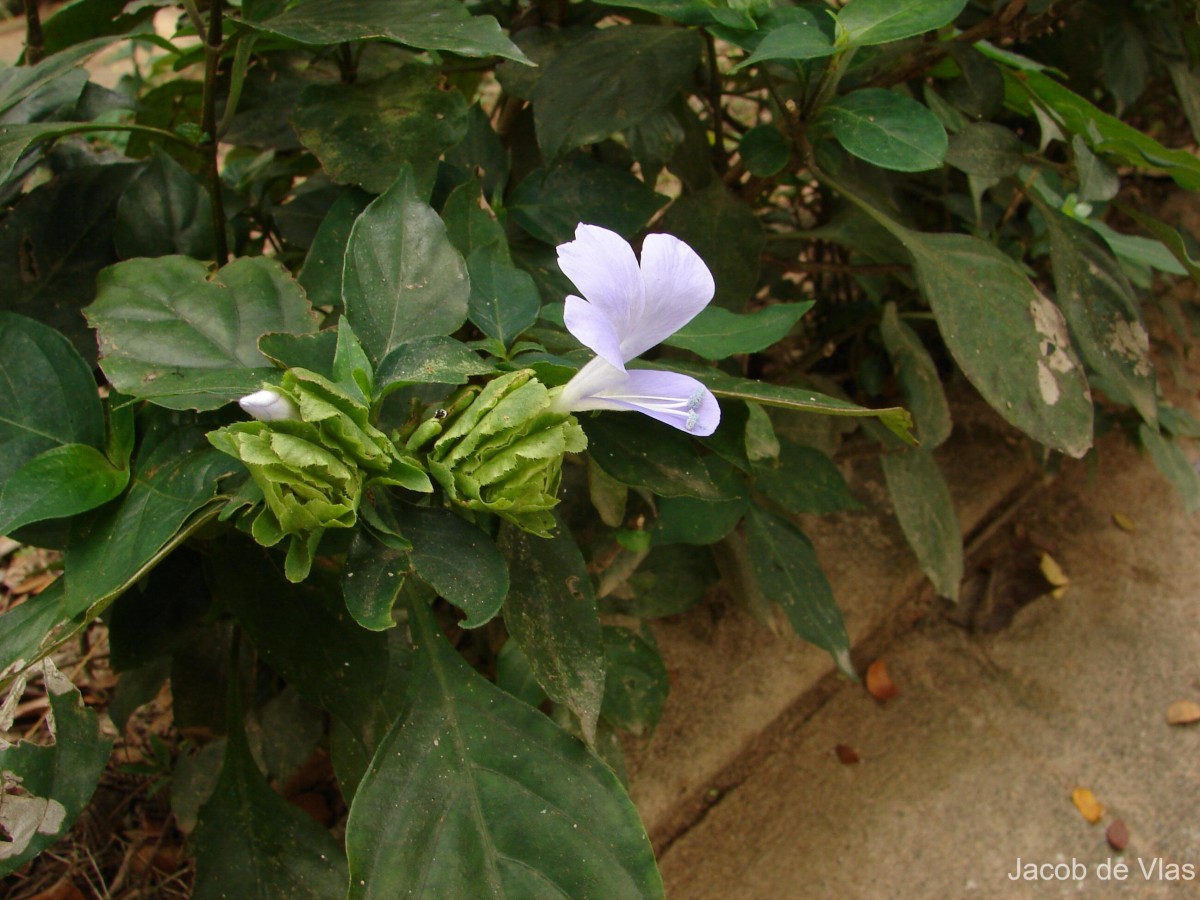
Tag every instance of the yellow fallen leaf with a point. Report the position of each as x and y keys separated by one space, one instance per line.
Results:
x=1123 y=522
x=1183 y=712
x=1087 y=804
x=1055 y=575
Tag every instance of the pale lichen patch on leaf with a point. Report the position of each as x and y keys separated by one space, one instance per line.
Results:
x=1129 y=339
x=22 y=816
x=1054 y=346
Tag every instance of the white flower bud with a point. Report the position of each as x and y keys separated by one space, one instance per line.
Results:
x=269 y=406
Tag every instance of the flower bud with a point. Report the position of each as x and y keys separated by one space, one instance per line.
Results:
x=269 y=406
x=503 y=453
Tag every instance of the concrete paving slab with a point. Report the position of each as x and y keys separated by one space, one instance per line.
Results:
x=972 y=766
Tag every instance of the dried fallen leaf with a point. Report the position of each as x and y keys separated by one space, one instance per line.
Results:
x=1087 y=804
x=1117 y=835
x=1055 y=575
x=1123 y=522
x=61 y=890
x=879 y=682
x=1183 y=712
x=846 y=754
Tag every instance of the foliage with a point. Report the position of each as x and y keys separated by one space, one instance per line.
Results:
x=344 y=215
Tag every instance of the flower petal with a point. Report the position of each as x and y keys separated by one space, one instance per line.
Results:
x=601 y=264
x=677 y=286
x=678 y=400
x=269 y=406
x=593 y=329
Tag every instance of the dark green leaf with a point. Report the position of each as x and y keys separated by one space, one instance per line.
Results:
x=610 y=80
x=647 y=454
x=636 y=682
x=164 y=210
x=321 y=276
x=76 y=23
x=363 y=132
x=804 y=480
x=765 y=150
x=1103 y=313
x=504 y=300
x=60 y=482
x=727 y=235
x=250 y=842
x=799 y=37
x=514 y=674
x=788 y=573
x=17 y=140
x=482 y=149
x=1170 y=237
x=717 y=333
x=550 y=203
x=372 y=580
x=458 y=560
x=669 y=580
x=403 y=278
x=888 y=129
x=1174 y=464
x=174 y=332
x=475 y=794
x=431 y=360
x=161 y=615
x=468 y=224
x=314 y=352
x=55 y=782
x=986 y=150
x=926 y=513
x=20 y=83
x=1097 y=180
x=917 y=374
x=687 y=520
x=868 y=22
x=551 y=613
x=427 y=24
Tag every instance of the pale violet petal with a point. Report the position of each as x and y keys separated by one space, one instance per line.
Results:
x=269 y=406
x=601 y=264
x=593 y=329
x=678 y=400
x=677 y=286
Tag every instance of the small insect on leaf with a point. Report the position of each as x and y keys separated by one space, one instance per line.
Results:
x=1087 y=804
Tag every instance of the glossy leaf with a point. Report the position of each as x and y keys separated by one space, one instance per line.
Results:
x=867 y=22
x=458 y=560
x=174 y=332
x=647 y=454
x=504 y=300
x=473 y=793
x=364 y=132
x=60 y=482
x=799 y=37
x=403 y=279
x=926 y=513
x=551 y=613
x=918 y=378
x=321 y=276
x=164 y=210
x=55 y=782
x=717 y=333
x=427 y=24
x=610 y=80
x=888 y=129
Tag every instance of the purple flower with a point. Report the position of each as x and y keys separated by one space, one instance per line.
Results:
x=625 y=310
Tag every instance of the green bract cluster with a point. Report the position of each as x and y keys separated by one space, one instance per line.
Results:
x=503 y=453
x=312 y=470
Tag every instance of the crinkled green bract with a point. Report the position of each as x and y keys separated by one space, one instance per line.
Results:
x=312 y=470
x=503 y=453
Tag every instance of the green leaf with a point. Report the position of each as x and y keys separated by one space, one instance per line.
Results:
x=314 y=352
x=458 y=560
x=610 y=80
x=549 y=203
x=321 y=276
x=804 y=480
x=17 y=140
x=1170 y=237
x=1174 y=464
x=896 y=419
x=475 y=794
x=427 y=24
x=1106 y=134
x=918 y=377
x=55 y=782
x=20 y=83
x=668 y=581
x=164 y=210
x=53 y=243
x=482 y=149
x=636 y=682
x=888 y=129
x=717 y=333
x=176 y=333
x=504 y=300
x=686 y=12
x=403 y=278
x=372 y=580
x=987 y=150
x=798 y=37
x=551 y=612
x=468 y=224
x=514 y=674
x=686 y=520
x=787 y=572
x=1008 y=338
x=650 y=455
x=250 y=842
x=60 y=482
x=867 y=22
x=1102 y=312
x=926 y=513
x=765 y=150
x=49 y=398
x=727 y=235
x=363 y=132
x=431 y=360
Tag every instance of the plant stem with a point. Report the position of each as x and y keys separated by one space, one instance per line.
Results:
x=213 y=46
x=720 y=158
x=35 y=39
